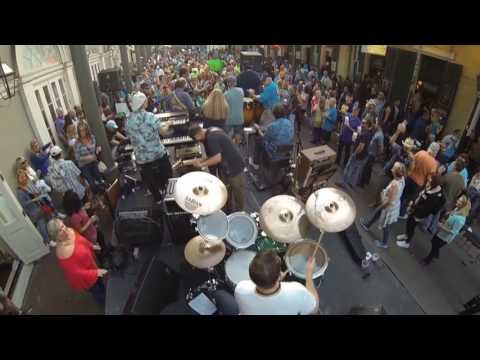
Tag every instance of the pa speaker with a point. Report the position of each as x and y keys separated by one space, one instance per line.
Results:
x=110 y=80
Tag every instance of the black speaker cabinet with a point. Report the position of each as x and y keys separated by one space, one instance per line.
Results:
x=156 y=287
x=110 y=80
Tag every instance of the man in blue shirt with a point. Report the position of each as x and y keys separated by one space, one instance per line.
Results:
x=279 y=132
x=143 y=130
x=330 y=122
x=350 y=125
x=270 y=95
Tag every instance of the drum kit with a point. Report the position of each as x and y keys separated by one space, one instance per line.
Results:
x=282 y=225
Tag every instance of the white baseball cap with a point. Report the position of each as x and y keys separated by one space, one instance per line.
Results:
x=111 y=125
x=56 y=150
x=138 y=100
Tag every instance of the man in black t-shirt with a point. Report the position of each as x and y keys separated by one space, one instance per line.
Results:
x=358 y=159
x=223 y=152
x=249 y=79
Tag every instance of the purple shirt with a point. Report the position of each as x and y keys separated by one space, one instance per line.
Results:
x=347 y=134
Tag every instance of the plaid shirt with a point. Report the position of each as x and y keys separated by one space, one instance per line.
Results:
x=63 y=175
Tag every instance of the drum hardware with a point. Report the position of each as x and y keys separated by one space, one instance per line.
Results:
x=200 y=193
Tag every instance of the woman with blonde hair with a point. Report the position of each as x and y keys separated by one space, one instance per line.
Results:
x=389 y=210
x=215 y=110
x=86 y=155
x=76 y=257
x=450 y=228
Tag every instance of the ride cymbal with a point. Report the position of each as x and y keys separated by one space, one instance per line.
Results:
x=330 y=210
x=284 y=220
x=200 y=193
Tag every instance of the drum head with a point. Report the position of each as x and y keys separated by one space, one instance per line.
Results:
x=237 y=266
x=298 y=254
x=242 y=230
x=213 y=227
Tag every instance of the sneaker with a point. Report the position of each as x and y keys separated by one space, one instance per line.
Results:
x=252 y=164
x=381 y=245
x=363 y=224
x=403 y=244
x=402 y=237
x=403 y=217
x=52 y=244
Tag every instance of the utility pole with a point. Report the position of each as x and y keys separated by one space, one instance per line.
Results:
x=89 y=101
x=126 y=67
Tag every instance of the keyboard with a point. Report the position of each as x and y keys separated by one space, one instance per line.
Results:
x=177 y=140
x=177 y=122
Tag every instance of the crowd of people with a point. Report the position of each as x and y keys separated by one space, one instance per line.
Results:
x=428 y=184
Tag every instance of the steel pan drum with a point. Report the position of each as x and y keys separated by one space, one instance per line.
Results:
x=298 y=254
x=213 y=227
x=242 y=230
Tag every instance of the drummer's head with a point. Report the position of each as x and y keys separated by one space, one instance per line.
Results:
x=265 y=269
x=197 y=133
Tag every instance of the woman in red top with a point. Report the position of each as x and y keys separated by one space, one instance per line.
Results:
x=76 y=258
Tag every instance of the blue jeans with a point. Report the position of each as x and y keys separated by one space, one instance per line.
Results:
x=225 y=302
x=91 y=173
x=98 y=292
x=385 y=230
x=395 y=150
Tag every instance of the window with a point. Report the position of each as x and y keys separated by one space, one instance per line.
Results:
x=44 y=115
x=49 y=102
x=56 y=95
x=64 y=94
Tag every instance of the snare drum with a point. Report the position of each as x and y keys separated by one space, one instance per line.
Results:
x=213 y=227
x=298 y=254
x=237 y=267
x=242 y=230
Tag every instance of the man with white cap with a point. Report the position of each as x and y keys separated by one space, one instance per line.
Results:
x=143 y=130
x=64 y=175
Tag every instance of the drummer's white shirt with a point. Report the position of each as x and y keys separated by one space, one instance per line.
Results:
x=292 y=299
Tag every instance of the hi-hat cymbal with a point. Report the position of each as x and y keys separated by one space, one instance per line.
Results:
x=200 y=193
x=330 y=210
x=204 y=258
x=284 y=220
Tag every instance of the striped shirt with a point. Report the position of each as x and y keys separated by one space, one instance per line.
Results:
x=82 y=150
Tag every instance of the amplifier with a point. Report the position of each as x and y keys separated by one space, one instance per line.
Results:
x=313 y=162
x=138 y=219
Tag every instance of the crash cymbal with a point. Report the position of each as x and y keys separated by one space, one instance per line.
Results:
x=200 y=193
x=330 y=210
x=284 y=220
x=204 y=258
